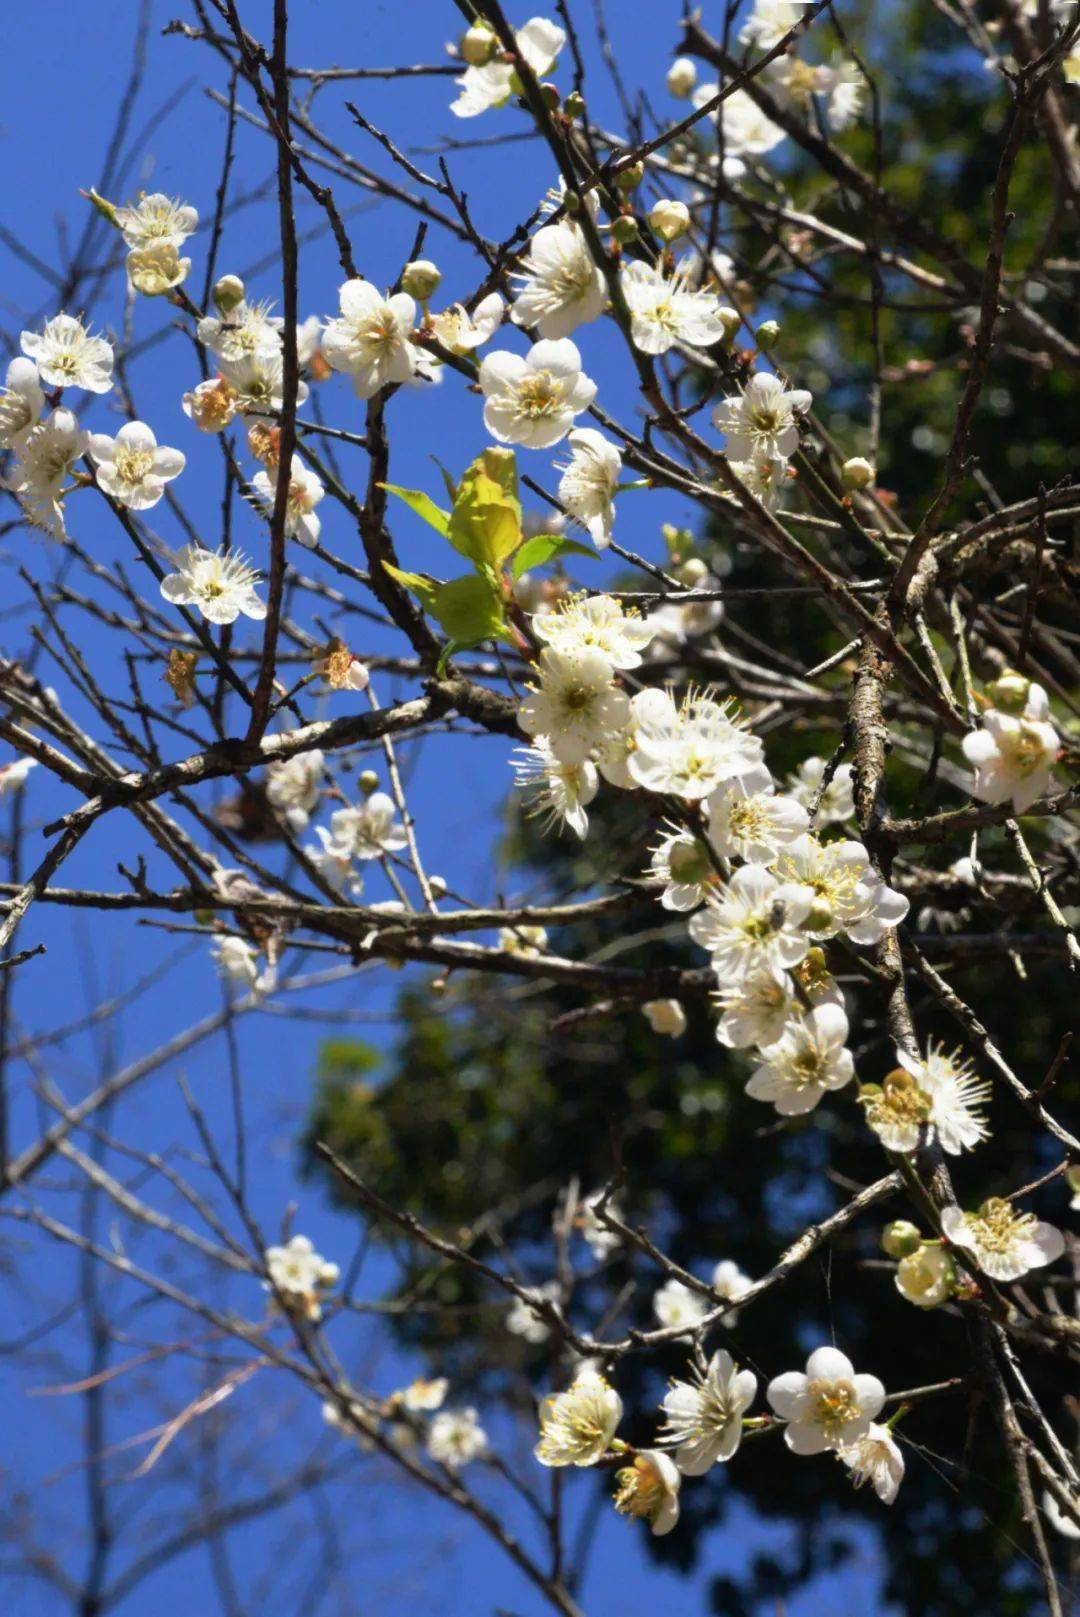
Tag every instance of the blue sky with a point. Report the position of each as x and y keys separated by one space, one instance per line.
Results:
x=62 y=83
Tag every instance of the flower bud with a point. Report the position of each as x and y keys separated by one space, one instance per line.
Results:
x=927 y=1277
x=629 y=178
x=438 y=886
x=551 y=96
x=900 y=1239
x=681 y=77
x=228 y=294
x=730 y=319
x=625 y=229
x=669 y=219
x=858 y=473
x=767 y=333
x=665 y=1016
x=574 y=105
x=157 y=269
x=420 y=279
x=1009 y=692
x=368 y=782
x=107 y=210
x=478 y=45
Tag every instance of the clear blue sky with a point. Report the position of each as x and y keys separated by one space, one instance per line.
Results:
x=402 y=1555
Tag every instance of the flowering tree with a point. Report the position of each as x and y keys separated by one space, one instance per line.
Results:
x=792 y=785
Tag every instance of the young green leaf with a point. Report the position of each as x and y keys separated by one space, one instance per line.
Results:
x=423 y=505
x=543 y=547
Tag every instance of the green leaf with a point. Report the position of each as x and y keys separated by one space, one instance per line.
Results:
x=468 y=610
x=485 y=524
x=425 y=589
x=544 y=547
x=423 y=505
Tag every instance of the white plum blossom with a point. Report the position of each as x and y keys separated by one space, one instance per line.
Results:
x=1013 y=758
x=762 y=421
x=809 y=1058
x=560 y=285
x=1067 y=1526
x=575 y=706
x=679 y=1308
x=927 y=1276
x=754 y=925
x=704 y=1415
x=599 y=1238
x=580 y=623
x=828 y=1407
x=755 y=1010
x=848 y=895
x=46 y=458
x=613 y=757
x=157 y=218
x=681 y=77
x=300 y=1274
x=764 y=476
x=576 y=1426
x=67 y=355
x=1004 y=1243
x=133 y=468
x=247 y=330
x=334 y=862
x=456 y=1438
x=691 y=750
x=747 y=819
x=219 y=582
x=648 y=1488
x=835 y=803
x=461 y=332
x=682 y=866
x=559 y=793
x=423 y=1397
x=954 y=1094
x=294 y=785
x=589 y=481
x=770 y=21
x=238 y=963
x=747 y=130
x=876 y=1459
x=157 y=269
x=532 y=399
x=258 y=381
x=665 y=1016
x=13 y=775
x=21 y=403
x=523 y=1321
x=491 y=84
x=729 y=1282
x=666 y=309
x=305 y=492
x=211 y=404
x=527 y=942
x=369 y=339
x=370 y=829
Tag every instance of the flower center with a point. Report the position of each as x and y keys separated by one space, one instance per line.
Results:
x=836 y=1404
x=132 y=465
x=536 y=396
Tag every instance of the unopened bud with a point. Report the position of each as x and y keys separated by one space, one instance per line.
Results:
x=730 y=319
x=857 y=473
x=900 y=1239
x=420 y=279
x=574 y=105
x=681 y=77
x=368 y=782
x=625 y=229
x=1009 y=692
x=228 y=293
x=767 y=333
x=629 y=178
x=551 y=97
x=670 y=220
x=478 y=45
x=438 y=886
